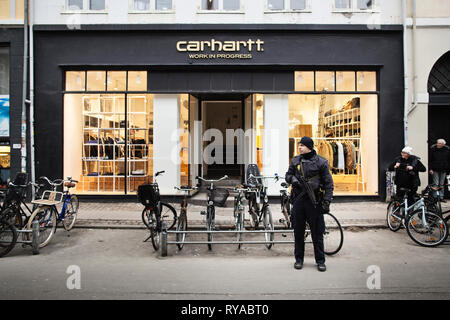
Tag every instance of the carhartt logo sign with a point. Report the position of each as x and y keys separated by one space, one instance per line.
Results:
x=215 y=49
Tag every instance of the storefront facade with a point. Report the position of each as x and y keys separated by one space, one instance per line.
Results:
x=116 y=104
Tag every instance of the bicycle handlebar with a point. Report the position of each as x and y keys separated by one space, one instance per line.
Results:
x=201 y=178
x=185 y=189
x=276 y=177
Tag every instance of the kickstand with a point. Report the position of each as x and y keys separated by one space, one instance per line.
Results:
x=148 y=238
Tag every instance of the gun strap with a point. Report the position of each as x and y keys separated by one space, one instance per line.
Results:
x=308 y=180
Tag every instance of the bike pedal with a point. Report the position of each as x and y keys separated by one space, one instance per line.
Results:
x=203 y=213
x=283 y=235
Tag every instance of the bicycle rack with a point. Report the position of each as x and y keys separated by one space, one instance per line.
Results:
x=165 y=242
x=34 y=242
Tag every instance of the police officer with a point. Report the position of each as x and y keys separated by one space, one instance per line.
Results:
x=312 y=190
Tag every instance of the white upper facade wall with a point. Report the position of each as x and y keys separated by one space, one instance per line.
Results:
x=57 y=12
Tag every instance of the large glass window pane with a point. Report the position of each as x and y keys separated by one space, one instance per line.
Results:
x=20 y=10
x=367 y=80
x=258 y=103
x=4 y=70
x=75 y=4
x=365 y=4
x=75 y=81
x=275 y=4
x=231 y=4
x=344 y=130
x=137 y=80
x=5 y=11
x=304 y=81
x=5 y=163
x=324 y=81
x=116 y=80
x=298 y=4
x=210 y=4
x=96 y=80
x=163 y=5
x=345 y=81
x=140 y=140
x=343 y=4
x=183 y=105
x=141 y=5
x=96 y=4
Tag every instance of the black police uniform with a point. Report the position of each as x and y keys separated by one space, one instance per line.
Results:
x=315 y=170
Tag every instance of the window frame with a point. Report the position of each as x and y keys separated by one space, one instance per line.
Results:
x=287 y=7
x=354 y=7
x=220 y=8
x=152 y=8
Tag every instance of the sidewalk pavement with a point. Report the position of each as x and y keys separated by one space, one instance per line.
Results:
x=367 y=214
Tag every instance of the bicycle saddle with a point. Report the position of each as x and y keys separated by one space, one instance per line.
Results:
x=404 y=189
x=284 y=185
x=69 y=184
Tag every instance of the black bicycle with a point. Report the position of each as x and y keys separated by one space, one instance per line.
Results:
x=182 y=222
x=285 y=205
x=8 y=236
x=216 y=197
x=155 y=211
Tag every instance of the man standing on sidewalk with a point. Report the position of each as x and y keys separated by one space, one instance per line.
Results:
x=439 y=164
x=309 y=175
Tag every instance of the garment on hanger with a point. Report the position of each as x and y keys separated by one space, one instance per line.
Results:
x=341 y=161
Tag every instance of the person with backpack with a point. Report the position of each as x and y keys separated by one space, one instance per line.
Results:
x=312 y=192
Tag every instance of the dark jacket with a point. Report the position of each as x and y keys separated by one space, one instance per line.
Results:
x=407 y=179
x=440 y=158
x=316 y=166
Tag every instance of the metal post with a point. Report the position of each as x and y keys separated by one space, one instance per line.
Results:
x=35 y=237
x=164 y=239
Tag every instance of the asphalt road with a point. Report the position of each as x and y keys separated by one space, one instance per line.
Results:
x=117 y=264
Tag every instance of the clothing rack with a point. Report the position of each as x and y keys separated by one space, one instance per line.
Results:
x=360 y=172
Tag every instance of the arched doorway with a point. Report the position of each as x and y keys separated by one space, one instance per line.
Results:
x=439 y=105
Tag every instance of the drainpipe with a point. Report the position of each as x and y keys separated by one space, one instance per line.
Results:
x=23 y=150
x=33 y=173
x=414 y=48
x=405 y=74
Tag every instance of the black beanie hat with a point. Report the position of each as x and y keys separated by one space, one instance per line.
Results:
x=308 y=142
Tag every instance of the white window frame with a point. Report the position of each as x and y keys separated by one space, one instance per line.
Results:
x=287 y=7
x=152 y=8
x=220 y=8
x=354 y=7
x=85 y=8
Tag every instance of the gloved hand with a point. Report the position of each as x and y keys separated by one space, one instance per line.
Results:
x=325 y=206
x=296 y=184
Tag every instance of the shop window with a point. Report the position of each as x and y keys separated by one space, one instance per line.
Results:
x=4 y=70
x=183 y=105
x=141 y=5
x=5 y=165
x=345 y=81
x=116 y=80
x=304 y=81
x=75 y=4
x=367 y=80
x=163 y=5
x=231 y=4
x=298 y=4
x=96 y=80
x=75 y=80
x=275 y=4
x=344 y=130
x=20 y=10
x=342 y=4
x=324 y=81
x=137 y=80
x=364 y=4
x=210 y=4
x=258 y=102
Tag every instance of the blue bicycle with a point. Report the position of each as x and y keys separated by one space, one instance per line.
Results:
x=47 y=213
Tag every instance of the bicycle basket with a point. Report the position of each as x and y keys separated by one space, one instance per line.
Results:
x=254 y=182
x=219 y=197
x=148 y=194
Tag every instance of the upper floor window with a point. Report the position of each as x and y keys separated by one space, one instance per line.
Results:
x=147 y=5
x=94 y=5
x=286 y=4
x=226 y=5
x=348 y=5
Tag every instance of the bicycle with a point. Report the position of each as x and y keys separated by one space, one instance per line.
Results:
x=182 y=222
x=8 y=236
x=239 y=212
x=168 y=213
x=155 y=211
x=421 y=222
x=261 y=214
x=48 y=215
x=285 y=205
x=216 y=197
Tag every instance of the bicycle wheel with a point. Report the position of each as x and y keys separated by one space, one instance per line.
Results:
x=155 y=229
x=210 y=225
x=333 y=235
x=13 y=216
x=268 y=226
x=46 y=218
x=252 y=210
x=181 y=226
x=239 y=227
x=393 y=217
x=428 y=230
x=8 y=237
x=71 y=213
x=168 y=214
x=286 y=210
